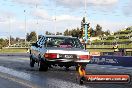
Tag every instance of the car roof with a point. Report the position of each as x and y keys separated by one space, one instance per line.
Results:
x=58 y=36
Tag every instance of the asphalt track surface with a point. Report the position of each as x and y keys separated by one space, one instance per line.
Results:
x=15 y=72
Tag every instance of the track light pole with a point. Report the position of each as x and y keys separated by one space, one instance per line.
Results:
x=25 y=26
x=9 y=30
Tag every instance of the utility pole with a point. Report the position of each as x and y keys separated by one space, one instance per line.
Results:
x=55 y=20
x=85 y=12
x=55 y=25
x=25 y=26
x=37 y=29
x=9 y=30
x=36 y=24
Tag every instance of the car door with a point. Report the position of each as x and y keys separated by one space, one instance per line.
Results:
x=33 y=49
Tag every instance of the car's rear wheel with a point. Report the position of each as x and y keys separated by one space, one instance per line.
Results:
x=77 y=67
x=81 y=81
x=32 y=62
x=43 y=66
x=67 y=68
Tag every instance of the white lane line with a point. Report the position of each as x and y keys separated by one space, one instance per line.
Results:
x=113 y=68
x=41 y=81
x=24 y=83
x=103 y=67
x=24 y=59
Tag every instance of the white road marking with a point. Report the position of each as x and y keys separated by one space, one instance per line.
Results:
x=103 y=67
x=18 y=81
x=24 y=59
x=46 y=82
x=113 y=68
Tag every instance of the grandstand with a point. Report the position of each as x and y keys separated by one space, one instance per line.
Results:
x=122 y=38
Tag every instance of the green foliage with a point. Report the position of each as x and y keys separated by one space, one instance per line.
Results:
x=98 y=30
x=120 y=37
x=125 y=31
x=48 y=33
x=109 y=46
x=58 y=33
x=74 y=32
x=66 y=32
x=32 y=37
x=13 y=50
x=110 y=38
x=3 y=42
x=92 y=32
x=83 y=20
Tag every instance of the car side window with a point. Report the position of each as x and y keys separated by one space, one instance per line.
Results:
x=41 y=41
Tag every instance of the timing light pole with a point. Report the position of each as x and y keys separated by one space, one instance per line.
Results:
x=85 y=10
x=86 y=25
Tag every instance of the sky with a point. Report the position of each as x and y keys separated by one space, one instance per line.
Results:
x=18 y=17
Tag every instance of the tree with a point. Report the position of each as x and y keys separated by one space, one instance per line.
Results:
x=32 y=37
x=92 y=32
x=3 y=42
x=28 y=37
x=66 y=32
x=98 y=30
x=58 y=33
x=107 y=32
x=48 y=33
x=79 y=33
x=74 y=32
x=17 y=39
x=12 y=40
x=83 y=20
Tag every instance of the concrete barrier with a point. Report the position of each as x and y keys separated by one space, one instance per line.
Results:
x=15 y=54
x=112 y=60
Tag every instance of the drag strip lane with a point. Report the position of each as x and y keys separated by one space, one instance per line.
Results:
x=55 y=77
x=41 y=81
x=20 y=82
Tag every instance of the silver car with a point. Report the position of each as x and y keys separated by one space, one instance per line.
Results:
x=58 y=50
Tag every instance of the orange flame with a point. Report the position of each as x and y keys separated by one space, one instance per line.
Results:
x=81 y=71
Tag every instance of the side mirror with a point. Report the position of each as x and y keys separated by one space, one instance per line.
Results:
x=35 y=44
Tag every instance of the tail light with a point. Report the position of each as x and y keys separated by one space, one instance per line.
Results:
x=50 y=55
x=84 y=57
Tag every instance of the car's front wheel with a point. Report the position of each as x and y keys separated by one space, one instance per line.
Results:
x=32 y=62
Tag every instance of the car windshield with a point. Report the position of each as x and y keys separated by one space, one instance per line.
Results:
x=63 y=42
